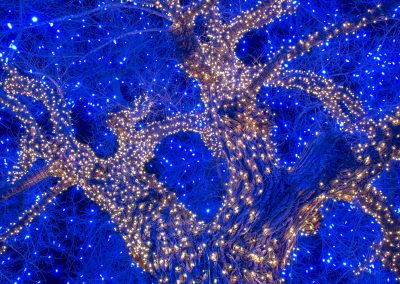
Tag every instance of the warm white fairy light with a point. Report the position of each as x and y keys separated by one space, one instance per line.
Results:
x=163 y=236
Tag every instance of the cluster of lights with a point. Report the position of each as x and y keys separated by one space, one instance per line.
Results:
x=255 y=230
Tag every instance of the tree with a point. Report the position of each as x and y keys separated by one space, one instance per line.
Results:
x=266 y=207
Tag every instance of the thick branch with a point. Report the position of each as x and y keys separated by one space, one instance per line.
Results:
x=28 y=215
x=339 y=101
x=27 y=182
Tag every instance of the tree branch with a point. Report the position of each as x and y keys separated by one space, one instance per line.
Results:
x=258 y=17
x=316 y=39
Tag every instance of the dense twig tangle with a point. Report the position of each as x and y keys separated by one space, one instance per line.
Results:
x=266 y=207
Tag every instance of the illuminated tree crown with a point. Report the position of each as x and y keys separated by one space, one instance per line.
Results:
x=266 y=206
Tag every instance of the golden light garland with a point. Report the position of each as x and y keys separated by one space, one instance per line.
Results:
x=255 y=230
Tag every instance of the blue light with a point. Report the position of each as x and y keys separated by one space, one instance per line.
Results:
x=13 y=46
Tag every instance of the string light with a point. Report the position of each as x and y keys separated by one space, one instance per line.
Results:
x=163 y=236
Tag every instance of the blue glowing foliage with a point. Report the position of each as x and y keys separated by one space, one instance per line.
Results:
x=102 y=66
x=186 y=166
